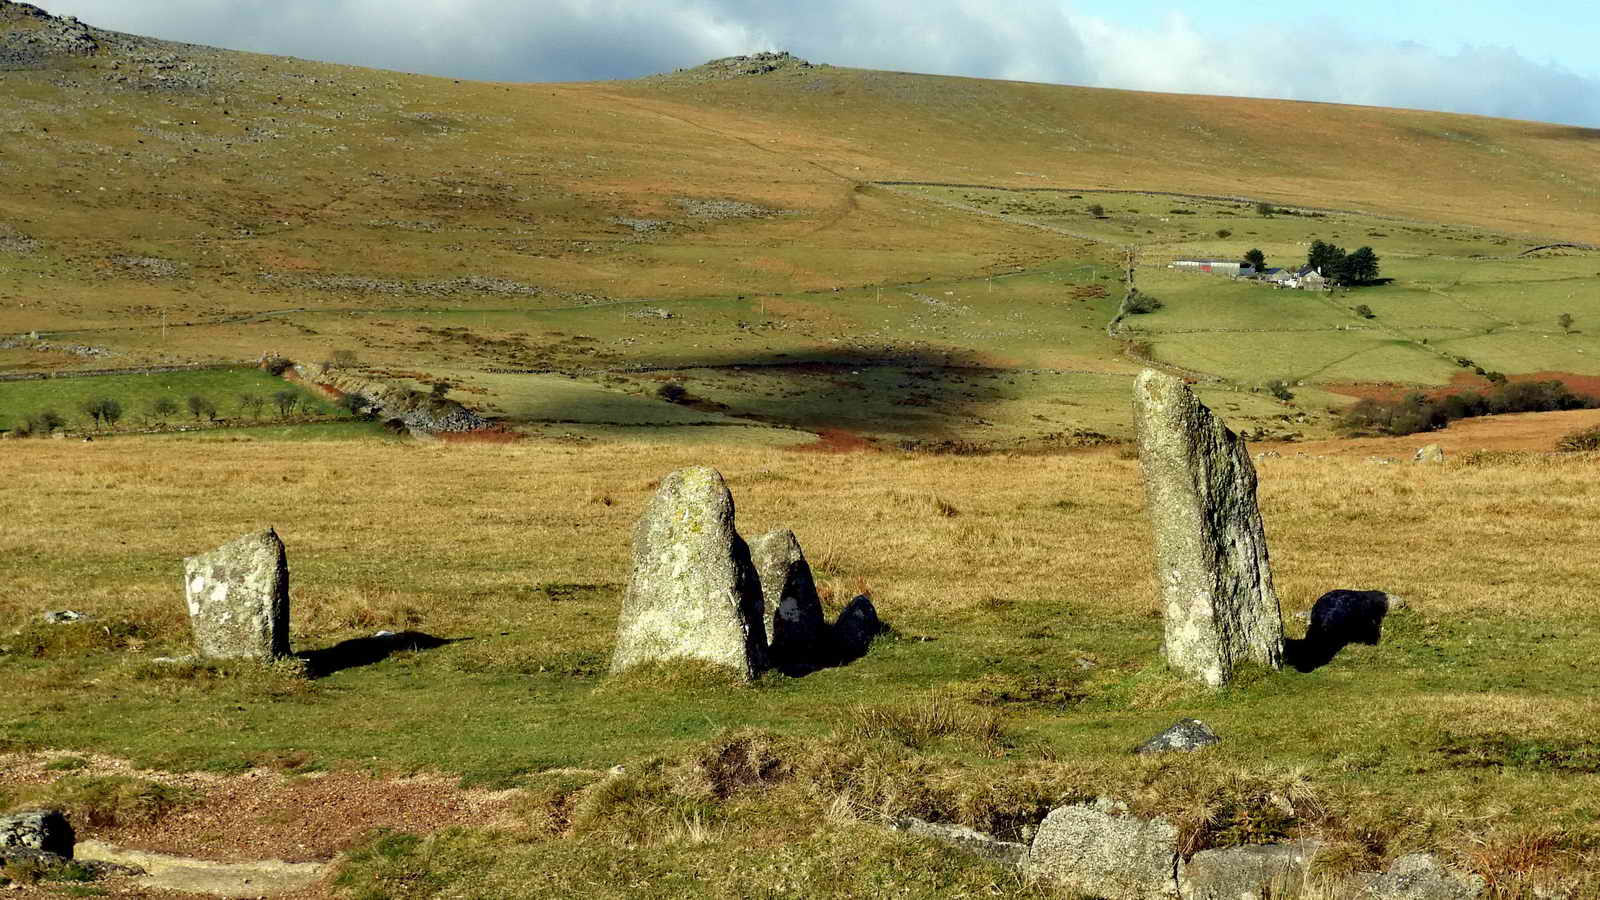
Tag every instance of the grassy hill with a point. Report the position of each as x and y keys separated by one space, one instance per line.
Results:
x=177 y=204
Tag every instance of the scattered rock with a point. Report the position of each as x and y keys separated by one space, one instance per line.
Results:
x=797 y=634
x=1419 y=876
x=987 y=846
x=1431 y=453
x=1268 y=454
x=1348 y=617
x=45 y=830
x=855 y=628
x=1100 y=851
x=64 y=617
x=238 y=597
x=1251 y=872
x=1184 y=736
x=693 y=593
x=1211 y=549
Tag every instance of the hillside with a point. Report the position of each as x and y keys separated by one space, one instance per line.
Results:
x=168 y=203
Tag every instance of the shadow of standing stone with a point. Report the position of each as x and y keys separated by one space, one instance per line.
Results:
x=1211 y=549
x=693 y=593
x=238 y=598
x=1339 y=618
x=797 y=633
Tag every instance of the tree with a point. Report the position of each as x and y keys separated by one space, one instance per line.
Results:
x=199 y=406
x=440 y=388
x=1328 y=258
x=286 y=401
x=164 y=408
x=91 y=408
x=1265 y=209
x=354 y=403
x=1361 y=266
x=1565 y=321
x=1098 y=211
x=46 y=421
x=1257 y=259
x=1224 y=233
x=1365 y=311
x=110 y=411
x=252 y=403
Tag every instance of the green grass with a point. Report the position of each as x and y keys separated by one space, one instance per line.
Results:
x=137 y=393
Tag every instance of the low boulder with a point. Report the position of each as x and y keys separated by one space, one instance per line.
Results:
x=1251 y=872
x=1099 y=850
x=1420 y=876
x=1430 y=453
x=1183 y=736
x=45 y=830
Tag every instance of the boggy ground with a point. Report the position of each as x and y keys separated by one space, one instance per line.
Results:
x=1021 y=668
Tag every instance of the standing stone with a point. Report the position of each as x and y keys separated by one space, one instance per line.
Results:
x=1211 y=551
x=1099 y=850
x=694 y=593
x=796 y=630
x=855 y=629
x=238 y=597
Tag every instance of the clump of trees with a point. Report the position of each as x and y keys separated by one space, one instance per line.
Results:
x=1419 y=412
x=103 y=411
x=1256 y=258
x=1138 y=304
x=1348 y=269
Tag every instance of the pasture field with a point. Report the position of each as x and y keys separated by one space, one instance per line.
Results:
x=1022 y=666
x=223 y=387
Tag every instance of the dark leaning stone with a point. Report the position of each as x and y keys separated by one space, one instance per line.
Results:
x=1348 y=617
x=796 y=631
x=1185 y=736
x=855 y=628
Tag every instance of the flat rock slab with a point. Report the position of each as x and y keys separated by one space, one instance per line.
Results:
x=1420 y=876
x=1100 y=851
x=1255 y=872
x=1183 y=736
x=693 y=593
x=1211 y=549
x=238 y=598
x=265 y=878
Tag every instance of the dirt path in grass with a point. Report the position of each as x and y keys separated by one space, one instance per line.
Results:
x=270 y=819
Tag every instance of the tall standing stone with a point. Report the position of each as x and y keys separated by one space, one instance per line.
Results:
x=694 y=593
x=238 y=596
x=796 y=631
x=1211 y=550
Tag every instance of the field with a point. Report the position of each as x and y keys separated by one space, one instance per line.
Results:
x=888 y=308
x=1018 y=589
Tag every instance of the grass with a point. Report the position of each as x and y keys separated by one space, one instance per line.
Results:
x=998 y=677
x=138 y=393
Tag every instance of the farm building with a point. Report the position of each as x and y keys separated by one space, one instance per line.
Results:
x=1304 y=278
x=1230 y=267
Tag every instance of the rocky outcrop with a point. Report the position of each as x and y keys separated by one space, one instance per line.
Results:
x=238 y=598
x=30 y=37
x=1098 y=850
x=417 y=410
x=1211 y=550
x=693 y=593
x=45 y=830
x=797 y=634
x=1183 y=736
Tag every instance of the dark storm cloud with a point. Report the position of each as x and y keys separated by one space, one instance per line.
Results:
x=562 y=40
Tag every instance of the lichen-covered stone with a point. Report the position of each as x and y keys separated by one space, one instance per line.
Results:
x=1251 y=872
x=1098 y=850
x=1419 y=876
x=797 y=634
x=44 y=830
x=693 y=593
x=1211 y=550
x=1430 y=453
x=1183 y=736
x=238 y=597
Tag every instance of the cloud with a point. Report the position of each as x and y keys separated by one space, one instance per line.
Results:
x=1034 y=40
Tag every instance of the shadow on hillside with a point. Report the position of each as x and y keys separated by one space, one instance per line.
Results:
x=906 y=391
x=365 y=651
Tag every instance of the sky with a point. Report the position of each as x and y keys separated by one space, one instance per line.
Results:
x=1533 y=60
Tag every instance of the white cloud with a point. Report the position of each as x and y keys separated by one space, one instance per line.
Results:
x=1036 y=40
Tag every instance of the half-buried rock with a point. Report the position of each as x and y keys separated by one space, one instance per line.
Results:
x=238 y=596
x=693 y=594
x=796 y=631
x=1211 y=550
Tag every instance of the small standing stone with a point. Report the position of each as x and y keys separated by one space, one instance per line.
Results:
x=1211 y=548
x=238 y=596
x=796 y=630
x=694 y=593
x=1184 y=736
